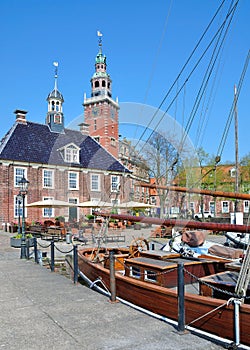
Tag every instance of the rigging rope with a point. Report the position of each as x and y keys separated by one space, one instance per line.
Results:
x=230 y=13
x=208 y=73
x=244 y=275
x=231 y=113
x=181 y=71
x=157 y=55
x=206 y=78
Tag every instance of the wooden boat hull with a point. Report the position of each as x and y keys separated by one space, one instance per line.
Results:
x=164 y=301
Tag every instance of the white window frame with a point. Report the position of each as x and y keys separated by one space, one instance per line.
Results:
x=115 y=182
x=70 y=153
x=48 y=180
x=18 y=177
x=21 y=207
x=225 y=209
x=212 y=207
x=150 y=276
x=233 y=172
x=246 y=205
x=48 y=212
x=72 y=180
x=96 y=181
x=135 y=272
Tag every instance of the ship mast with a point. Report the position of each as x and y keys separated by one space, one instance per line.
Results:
x=236 y=148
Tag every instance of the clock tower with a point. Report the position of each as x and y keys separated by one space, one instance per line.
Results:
x=100 y=110
x=55 y=118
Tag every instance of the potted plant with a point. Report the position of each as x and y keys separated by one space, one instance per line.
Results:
x=16 y=240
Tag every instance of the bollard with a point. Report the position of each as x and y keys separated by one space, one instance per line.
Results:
x=181 y=300
x=75 y=264
x=52 y=265
x=35 y=250
x=68 y=237
x=112 y=276
x=27 y=249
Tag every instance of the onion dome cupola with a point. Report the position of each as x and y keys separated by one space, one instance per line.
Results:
x=100 y=81
x=55 y=118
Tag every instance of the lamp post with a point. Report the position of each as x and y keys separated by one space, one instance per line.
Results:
x=19 y=201
x=23 y=183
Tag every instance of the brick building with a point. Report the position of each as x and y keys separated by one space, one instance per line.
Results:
x=61 y=163
x=219 y=178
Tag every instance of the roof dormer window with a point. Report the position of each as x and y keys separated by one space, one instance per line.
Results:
x=71 y=153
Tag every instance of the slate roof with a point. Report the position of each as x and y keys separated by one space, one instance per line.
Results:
x=36 y=143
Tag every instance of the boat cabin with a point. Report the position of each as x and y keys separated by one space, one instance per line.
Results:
x=164 y=272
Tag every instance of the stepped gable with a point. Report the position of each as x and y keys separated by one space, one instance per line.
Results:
x=36 y=143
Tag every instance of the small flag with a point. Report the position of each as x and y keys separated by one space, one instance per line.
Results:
x=55 y=64
x=99 y=33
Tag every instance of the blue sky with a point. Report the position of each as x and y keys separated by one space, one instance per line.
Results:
x=146 y=44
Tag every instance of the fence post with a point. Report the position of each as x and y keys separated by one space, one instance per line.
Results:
x=52 y=255
x=181 y=300
x=75 y=264
x=112 y=276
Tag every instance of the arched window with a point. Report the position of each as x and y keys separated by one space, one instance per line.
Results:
x=52 y=105
x=103 y=83
x=97 y=84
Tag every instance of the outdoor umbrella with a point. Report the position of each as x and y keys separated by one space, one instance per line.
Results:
x=95 y=204
x=135 y=205
x=50 y=203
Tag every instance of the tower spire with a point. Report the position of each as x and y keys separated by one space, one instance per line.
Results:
x=56 y=64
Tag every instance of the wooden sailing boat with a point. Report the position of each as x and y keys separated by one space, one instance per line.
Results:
x=151 y=280
x=166 y=283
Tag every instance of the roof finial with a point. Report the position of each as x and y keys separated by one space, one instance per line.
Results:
x=56 y=64
x=99 y=34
